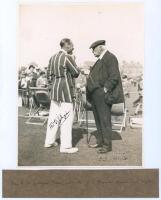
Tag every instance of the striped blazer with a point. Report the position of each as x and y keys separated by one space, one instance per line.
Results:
x=62 y=70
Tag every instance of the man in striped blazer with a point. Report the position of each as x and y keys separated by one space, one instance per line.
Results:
x=62 y=70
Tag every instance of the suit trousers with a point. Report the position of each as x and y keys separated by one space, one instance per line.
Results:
x=102 y=115
x=61 y=116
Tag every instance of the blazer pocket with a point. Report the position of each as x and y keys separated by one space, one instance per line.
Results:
x=112 y=97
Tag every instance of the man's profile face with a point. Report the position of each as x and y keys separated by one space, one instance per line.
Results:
x=69 y=47
x=97 y=51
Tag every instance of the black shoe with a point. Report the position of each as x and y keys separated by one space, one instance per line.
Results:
x=105 y=149
x=108 y=144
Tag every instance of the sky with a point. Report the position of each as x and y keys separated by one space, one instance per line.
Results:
x=42 y=26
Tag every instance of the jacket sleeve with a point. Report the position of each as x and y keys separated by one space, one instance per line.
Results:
x=72 y=67
x=113 y=74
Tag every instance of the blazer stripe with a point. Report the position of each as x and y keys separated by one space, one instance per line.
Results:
x=67 y=85
x=59 y=76
x=55 y=58
x=72 y=66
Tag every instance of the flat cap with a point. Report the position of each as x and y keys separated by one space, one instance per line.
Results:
x=98 y=42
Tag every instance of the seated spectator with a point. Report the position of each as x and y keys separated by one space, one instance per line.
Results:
x=42 y=80
x=140 y=86
x=140 y=93
x=32 y=76
x=23 y=81
x=45 y=70
x=23 y=94
x=38 y=72
x=125 y=84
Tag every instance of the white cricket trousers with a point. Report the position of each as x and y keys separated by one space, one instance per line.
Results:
x=60 y=115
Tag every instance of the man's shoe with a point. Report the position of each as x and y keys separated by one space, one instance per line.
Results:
x=69 y=150
x=105 y=149
x=55 y=144
x=95 y=145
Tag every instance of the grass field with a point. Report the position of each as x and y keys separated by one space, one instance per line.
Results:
x=127 y=146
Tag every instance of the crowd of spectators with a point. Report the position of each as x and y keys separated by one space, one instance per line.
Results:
x=32 y=77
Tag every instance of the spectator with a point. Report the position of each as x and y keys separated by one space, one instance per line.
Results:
x=45 y=70
x=42 y=80
x=125 y=84
x=23 y=93
x=140 y=93
x=23 y=81
x=32 y=76
x=38 y=71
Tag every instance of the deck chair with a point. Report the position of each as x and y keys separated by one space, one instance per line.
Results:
x=39 y=108
x=136 y=122
x=118 y=113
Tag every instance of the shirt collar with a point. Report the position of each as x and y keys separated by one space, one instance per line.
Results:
x=102 y=54
x=63 y=51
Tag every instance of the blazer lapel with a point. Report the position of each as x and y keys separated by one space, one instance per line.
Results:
x=95 y=64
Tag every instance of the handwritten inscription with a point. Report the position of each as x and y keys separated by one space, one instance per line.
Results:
x=79 y=183
x=59 y=120
x=67 y=182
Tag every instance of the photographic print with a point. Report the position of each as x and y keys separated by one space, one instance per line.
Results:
x=80 y=84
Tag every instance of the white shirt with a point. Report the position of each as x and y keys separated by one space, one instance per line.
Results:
x=100 y=57
x=102 y=54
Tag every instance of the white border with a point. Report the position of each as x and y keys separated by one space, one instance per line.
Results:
x=152 y=82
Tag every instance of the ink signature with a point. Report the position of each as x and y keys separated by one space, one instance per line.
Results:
x=60 y=119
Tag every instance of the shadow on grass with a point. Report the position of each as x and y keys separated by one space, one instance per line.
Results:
x=79 y=134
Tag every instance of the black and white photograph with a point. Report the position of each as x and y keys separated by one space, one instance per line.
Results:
x=80 y=81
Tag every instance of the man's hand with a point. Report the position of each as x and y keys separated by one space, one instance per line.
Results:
x=84 y=71
x=105 y=89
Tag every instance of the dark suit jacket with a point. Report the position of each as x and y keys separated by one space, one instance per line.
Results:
x=105 y=73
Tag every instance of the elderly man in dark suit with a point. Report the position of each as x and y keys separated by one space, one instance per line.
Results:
x=104 y=88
